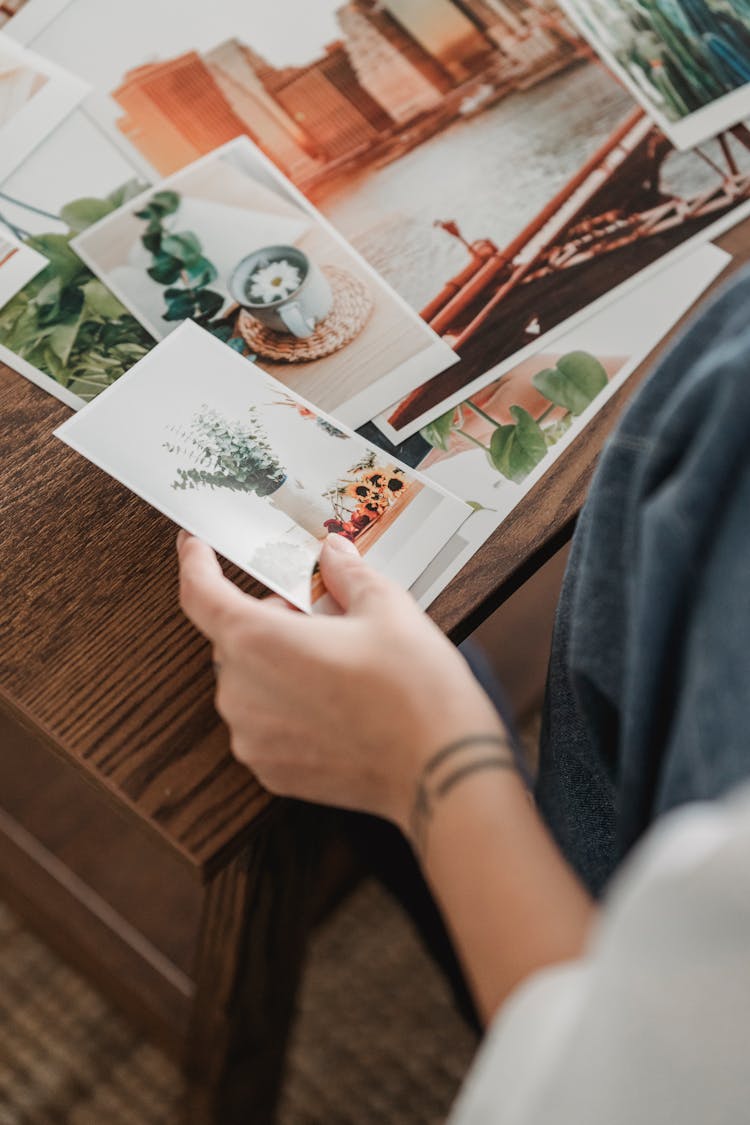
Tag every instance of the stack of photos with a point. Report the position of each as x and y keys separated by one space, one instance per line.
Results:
x=392 y=207
x=230 y=454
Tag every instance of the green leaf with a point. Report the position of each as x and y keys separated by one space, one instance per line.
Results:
x=50 y=292
x=438 y=433
x=126 y=192
x=165 y=270
x=574 y=382
x=164 y=202
x=152 y=240
x=181 y=307
x=186 y=246
x=67 y=306
x=201 y=272
x=63 y=262
x=90 y=387
x=99 y=300
x=209 y=302
x=517 y=448
x=553 y=433
x=83 y=213
x=477 y=507
x=63 y=337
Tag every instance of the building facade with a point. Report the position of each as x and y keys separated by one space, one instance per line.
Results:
x=175 y=112
x=239 y=73
x=394 y=70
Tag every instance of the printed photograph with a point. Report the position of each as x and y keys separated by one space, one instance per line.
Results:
x=23 y=19
x=65 y=331
x=35 y=96
x=230 y=454
x=230 y=244
x=9 y=9
x=477 y=154
x=493 y=448
x=686 y=61
x=18 y=265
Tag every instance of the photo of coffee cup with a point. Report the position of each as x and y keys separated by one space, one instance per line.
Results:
x=283 y=289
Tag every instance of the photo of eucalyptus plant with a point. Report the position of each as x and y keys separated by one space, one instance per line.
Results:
x=237 y=456
x=226 y=454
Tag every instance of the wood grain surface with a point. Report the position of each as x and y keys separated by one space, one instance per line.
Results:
x=96 y=658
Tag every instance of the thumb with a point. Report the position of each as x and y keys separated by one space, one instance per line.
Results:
x=345 y=575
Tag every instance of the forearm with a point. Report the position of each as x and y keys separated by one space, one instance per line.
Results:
x=351 y=710
x=510 y=900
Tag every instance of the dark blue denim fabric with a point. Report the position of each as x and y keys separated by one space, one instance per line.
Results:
x=648 y=696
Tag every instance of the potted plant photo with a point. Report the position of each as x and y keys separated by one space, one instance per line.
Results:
x=238 y=456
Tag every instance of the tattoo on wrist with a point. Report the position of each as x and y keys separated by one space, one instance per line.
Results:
x=447 y=768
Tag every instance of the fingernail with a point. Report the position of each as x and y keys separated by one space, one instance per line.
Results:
x=340 y=543
x=182 y=538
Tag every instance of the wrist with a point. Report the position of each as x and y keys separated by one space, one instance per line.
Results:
x=447 y=766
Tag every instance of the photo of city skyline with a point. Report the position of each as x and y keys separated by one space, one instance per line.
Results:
x=394 y=73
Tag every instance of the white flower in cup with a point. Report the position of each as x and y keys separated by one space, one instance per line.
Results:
x=274 y=282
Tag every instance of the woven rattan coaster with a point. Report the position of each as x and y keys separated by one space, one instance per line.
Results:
x=352 y=305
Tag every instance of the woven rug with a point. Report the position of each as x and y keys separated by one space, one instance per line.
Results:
x=377 y=1039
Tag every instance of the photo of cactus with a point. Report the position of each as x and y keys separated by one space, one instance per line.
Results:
x=686 y=61
x=229 y=453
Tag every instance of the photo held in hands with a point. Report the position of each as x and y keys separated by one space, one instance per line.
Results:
x=230 y=454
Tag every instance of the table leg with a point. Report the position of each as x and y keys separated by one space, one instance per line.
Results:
x=256 y=921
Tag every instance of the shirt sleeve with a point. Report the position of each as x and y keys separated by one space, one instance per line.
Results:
x=652 y=1025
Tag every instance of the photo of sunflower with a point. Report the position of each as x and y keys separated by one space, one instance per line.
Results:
x=389 y=480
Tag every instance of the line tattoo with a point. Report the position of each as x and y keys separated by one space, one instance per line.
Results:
x=442 y=772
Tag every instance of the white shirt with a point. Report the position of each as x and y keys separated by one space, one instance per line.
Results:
x=652 y=1025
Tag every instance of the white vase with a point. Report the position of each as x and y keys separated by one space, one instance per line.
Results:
x=308 y=509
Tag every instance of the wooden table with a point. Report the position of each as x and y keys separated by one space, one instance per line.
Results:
x=128 y=835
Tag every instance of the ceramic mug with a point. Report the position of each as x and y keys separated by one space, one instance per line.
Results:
x=299 y=311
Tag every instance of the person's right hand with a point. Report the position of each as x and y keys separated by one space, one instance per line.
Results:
x=341 y=710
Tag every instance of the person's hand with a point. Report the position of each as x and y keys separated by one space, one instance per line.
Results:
x=340 y=710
